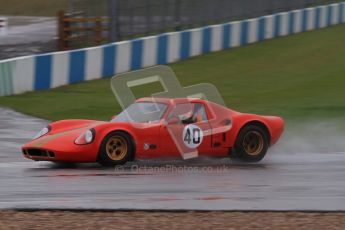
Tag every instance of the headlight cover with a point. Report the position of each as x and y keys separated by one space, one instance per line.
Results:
x=43 y=132
x=86 y=138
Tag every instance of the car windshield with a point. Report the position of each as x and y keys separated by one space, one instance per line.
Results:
x=142 y=112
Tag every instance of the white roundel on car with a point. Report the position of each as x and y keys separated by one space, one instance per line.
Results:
x=192 y=136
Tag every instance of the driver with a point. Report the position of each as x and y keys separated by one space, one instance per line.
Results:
x=194 y=117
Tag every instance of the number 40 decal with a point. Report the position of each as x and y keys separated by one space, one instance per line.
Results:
x=192 y=136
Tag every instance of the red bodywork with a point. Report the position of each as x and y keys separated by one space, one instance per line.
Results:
x=59 y=143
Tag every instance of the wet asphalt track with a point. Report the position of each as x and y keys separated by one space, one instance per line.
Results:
x=282 y=181
x=28 y=35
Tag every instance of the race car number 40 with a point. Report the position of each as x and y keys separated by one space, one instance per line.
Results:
x=192 y=136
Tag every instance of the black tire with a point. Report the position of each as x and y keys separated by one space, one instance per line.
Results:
x=116 y=149
x=251 y=144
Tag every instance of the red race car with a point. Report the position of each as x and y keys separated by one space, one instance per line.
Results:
x=158 y=128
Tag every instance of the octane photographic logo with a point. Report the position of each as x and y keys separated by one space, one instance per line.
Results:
x=187 y=133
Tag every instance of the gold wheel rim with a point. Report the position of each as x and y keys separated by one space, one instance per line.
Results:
x=253 y=143
x=116 y=148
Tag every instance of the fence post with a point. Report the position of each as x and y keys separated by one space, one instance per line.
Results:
x=148 y=17
x=113 y=33
x=177 y=15
x=98 y=30
x=61 y=31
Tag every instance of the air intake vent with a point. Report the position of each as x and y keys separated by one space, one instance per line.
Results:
x=39 y=153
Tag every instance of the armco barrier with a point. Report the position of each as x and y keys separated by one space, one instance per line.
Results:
x=52 y=70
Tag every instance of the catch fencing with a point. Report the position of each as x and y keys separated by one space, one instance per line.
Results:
x=132 y=18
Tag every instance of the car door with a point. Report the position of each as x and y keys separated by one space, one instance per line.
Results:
x=187 y=132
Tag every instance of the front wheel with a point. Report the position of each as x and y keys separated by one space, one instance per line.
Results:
x=251 y=144
x=116 y=149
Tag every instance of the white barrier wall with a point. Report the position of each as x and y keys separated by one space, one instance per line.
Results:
x=56 y=69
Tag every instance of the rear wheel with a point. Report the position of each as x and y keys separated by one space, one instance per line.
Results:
x=117 y=148
x=251 y=144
